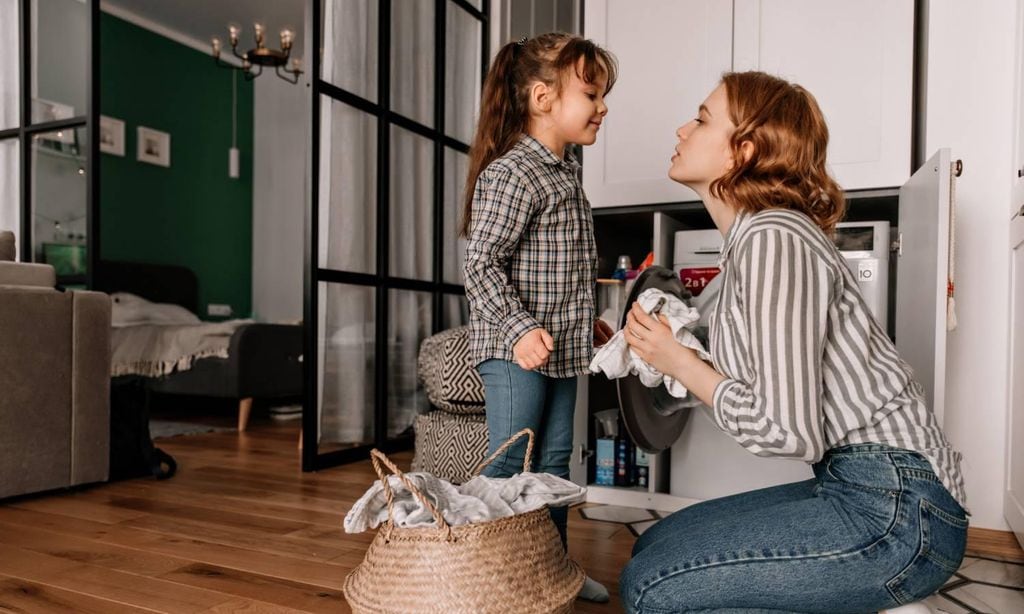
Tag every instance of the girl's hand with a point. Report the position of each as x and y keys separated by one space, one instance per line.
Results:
x=654 y=343
x=533 y=349
x=602 y=332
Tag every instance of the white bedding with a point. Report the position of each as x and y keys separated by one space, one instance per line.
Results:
x=155 y=339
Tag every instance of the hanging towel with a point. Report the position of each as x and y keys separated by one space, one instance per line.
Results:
x=615 y=359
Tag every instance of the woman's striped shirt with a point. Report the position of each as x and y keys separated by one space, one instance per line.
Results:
x=807 y=367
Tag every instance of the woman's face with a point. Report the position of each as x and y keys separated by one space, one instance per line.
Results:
x=703 y=153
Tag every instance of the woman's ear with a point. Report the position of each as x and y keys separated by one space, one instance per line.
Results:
x=541 y=97
x=747 y=150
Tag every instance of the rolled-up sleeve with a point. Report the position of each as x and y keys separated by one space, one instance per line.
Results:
x=785 y=288
x=502 y=210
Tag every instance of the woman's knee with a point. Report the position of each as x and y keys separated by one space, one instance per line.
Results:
x=630 y=583
x=643 y=590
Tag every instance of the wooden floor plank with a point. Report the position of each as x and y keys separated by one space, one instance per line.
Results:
x=105 y=583
x=17 y=595
x=293 y=595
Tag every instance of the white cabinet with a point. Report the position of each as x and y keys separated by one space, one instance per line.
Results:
x=921 y=288
x=855 y=57
x=671 y=53
x=1013 y=504
x=857 y=60
x=1017 y=198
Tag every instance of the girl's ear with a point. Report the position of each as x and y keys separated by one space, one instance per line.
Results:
x=541 y=97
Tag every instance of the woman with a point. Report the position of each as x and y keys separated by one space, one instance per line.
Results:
x=799 y=370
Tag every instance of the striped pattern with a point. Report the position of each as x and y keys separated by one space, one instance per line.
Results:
x=531 y=259
x=807 y=367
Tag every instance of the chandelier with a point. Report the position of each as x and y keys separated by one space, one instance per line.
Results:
x=255 y=59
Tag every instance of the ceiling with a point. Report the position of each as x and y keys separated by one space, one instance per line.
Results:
x=201 y=20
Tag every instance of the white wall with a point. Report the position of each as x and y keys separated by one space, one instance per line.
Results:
x=278 y=200
x=970 y=62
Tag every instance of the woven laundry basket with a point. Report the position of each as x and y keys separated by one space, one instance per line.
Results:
x=513 y=564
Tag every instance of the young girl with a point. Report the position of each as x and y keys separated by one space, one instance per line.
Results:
x=531 y=258
x=799 y=370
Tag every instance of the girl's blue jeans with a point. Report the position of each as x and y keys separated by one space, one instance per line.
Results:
x=875 y=528
x=518 y=399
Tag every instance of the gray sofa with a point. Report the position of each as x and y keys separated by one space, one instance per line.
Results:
x=54 y=380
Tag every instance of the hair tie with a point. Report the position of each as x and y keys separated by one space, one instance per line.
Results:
x=522 y=41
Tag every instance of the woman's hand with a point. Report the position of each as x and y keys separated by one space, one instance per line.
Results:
x=654 y=343
x=602 y=332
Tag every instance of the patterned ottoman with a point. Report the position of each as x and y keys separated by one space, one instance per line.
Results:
x=450 y=446
x=451 y=441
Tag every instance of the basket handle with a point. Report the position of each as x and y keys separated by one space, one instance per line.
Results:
x=379 y=459
x=508 y=444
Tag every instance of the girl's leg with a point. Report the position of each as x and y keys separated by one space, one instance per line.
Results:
x=515 y=400
x=554 y=439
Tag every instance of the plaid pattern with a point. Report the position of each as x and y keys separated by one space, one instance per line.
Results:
x=531 y=259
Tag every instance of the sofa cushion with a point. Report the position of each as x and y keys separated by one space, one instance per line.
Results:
x=7 y=251
x=27 y=274
x=448 y=373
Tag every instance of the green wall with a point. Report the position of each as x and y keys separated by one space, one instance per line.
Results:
x=190 y=214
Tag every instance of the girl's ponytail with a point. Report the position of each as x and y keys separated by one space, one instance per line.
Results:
x=503 y=118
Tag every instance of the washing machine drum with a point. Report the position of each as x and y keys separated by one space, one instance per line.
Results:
x=653 y=417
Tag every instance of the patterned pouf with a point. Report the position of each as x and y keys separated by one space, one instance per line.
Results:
x=450 y=446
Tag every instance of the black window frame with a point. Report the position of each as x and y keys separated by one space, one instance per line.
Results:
x=27 y=130
x=381 y=280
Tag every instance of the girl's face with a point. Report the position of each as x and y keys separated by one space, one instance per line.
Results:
x=579 y=109
x=703 y=152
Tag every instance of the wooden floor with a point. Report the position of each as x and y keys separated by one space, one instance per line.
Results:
x=239 y=528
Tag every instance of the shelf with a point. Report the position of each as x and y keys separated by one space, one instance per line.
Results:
x=637 y=497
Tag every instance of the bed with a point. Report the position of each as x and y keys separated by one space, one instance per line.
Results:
x=262 y=361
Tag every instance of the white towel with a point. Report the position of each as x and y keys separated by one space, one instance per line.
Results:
x=478 y=500
x=616 y=359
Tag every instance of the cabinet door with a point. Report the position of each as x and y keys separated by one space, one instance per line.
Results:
x=922 y=275
x=1013 y=504
x=1017 y=200
x=857 y=60
x=671 y=55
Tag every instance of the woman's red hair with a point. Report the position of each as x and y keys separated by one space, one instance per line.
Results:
x=785 y=168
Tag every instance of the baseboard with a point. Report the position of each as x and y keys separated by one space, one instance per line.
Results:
x=993 y=543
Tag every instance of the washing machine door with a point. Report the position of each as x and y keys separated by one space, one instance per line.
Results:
x=653 y=417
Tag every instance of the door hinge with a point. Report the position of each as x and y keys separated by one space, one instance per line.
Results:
x=897 y=245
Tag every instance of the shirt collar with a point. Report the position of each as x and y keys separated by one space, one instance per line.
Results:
x=732 y=235
x=546 y=155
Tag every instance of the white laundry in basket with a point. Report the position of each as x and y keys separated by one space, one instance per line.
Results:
x=480 y=499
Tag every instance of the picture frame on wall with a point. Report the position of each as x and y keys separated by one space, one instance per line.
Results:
x=111 y=136
x=154 y=146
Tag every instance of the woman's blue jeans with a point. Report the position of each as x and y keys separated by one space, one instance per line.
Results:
x=518 y=399
x=874 y=529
